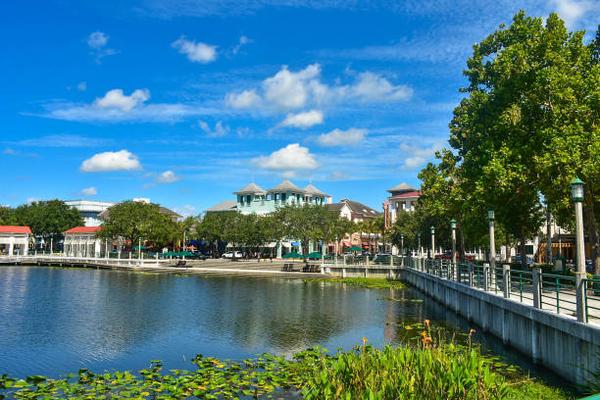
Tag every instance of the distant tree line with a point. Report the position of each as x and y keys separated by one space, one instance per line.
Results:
x=47 y=219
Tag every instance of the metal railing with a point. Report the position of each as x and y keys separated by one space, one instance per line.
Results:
x=129 y=261
x=547 y=291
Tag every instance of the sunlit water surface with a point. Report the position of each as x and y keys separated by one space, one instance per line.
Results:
x=54 y=321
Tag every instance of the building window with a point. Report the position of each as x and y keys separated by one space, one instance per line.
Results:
x=282 y=196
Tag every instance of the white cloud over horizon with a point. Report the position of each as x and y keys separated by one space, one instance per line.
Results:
x=303 y=120
x=116 y=106
x=116 y=99
x=288 y=160
x=291 y=90
x=97 y=42
x=167 y=177
x=89 y=191
x=108 y=161
x=198 y=52
x=338 y=137
x=219 y=130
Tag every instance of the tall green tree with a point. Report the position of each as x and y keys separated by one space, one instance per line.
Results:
x=134 y=221
x=529 y=123
x=216 y=229
x=307 y=223
x=48 y=219
x=7 y=216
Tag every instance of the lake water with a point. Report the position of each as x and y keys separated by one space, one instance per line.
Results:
x=55 y=321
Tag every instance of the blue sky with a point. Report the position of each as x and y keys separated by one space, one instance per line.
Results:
x=185 y=101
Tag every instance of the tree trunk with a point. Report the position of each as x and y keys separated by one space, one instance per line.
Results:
x=593 y=236
x=462 y=245
x=523 y=252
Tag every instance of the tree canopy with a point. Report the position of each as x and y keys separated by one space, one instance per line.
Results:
x=529 y=124
x=134 y=221
x=47 y=219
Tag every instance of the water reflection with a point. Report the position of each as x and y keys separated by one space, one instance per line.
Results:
x=55 y=320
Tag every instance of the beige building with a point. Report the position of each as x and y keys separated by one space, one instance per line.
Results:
x=81 y=241
x=14 y=240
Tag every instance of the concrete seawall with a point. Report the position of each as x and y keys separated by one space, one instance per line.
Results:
x=568 y=347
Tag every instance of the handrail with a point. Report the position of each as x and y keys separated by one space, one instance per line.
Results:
x=547 y=291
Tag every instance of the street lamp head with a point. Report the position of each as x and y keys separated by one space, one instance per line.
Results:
x=402 y=236
x=491 y=215
x=432 y=230
x=419 y=235
x=577 y=189
x=453 y=223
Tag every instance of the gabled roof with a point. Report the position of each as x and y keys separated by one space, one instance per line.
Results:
x=286 y=186
x=335 y=206
x=226 y=205
x=251 y=188
x=360 y=208
x=312 y=189
x=15 y=229
x=403 y=187
x=84 y=229
x=413 y=194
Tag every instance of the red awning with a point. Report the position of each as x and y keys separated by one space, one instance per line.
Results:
x=15 y=229
x=84 y=229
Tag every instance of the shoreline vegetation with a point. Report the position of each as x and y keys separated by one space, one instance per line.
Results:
x=370 y=283
x=427 y=366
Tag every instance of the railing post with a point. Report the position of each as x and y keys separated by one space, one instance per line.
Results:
x=343 y=272
x=506 y=281
x=536 y=276
x=471 y=275
x=581 y=298
x=367 y=261
x=486 y=276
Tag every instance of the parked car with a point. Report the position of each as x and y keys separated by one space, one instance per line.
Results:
x=517 y=260
x=233 y=254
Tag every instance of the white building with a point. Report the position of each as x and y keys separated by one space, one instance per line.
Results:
x=14 y=240
x=402 y=198
x=81 y=241
x=90 y=210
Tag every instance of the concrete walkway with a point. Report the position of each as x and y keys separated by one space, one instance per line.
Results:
x=204 y=267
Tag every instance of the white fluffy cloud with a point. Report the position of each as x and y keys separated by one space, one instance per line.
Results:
x=415 y=157
x=167 y=177
x=304 y=119
x=243 y=99
x=97 y=40
x=89 y=191
x=338 y=137
x=220 y=129
x=291 y=90
x=196 y=51
x=291 y=158
x=373 y=87
x=116 y=106
x=572 y=10
x=116 y=99
x=122 y=160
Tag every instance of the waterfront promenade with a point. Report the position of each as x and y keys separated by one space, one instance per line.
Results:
x=205 y=267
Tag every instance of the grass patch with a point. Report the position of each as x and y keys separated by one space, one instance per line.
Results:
x=372 y=283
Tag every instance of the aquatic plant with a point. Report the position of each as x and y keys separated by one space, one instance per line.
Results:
x=372 y=283
x=428 y=367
